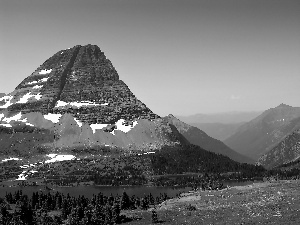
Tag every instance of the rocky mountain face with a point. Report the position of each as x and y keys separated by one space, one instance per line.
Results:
x=266 y=131
x=197 y=137
x=285 y=152
x=73 y=120
x=76 y=99
x=80 y=81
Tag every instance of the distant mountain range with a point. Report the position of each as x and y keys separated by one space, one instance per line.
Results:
x=197 y=137
x=266 y=131
x=223 y=118
x=220 y=131
x=75 y=104
x=220 y=125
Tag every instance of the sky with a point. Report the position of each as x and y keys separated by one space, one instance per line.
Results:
x=177 y=56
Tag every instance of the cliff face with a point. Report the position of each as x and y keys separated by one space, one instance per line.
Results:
x=78 y=97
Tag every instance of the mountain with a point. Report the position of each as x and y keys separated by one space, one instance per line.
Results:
x=287 y=151
x=263 y=133
x=76 y=99
x=74 y=115
x=218 y=131
x=197 y=137
x=224 y=118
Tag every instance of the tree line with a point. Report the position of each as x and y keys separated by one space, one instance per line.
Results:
x=57 y=208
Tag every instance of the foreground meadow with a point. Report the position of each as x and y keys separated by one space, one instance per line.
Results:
x=276 y=202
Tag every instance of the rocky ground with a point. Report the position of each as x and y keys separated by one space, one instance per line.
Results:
x=275 y=202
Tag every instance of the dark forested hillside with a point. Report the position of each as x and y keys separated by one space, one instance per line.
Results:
x=194 y=159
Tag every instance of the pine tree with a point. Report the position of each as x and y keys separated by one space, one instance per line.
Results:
x=125 y=201
x=64 y=209
x=151 y=199
x=144 y=203
x=97 y=216
x=58 y=202
x=154 y=217
x=73 y=218
x=107 y=214
x=137 y=202
x=116 y=213
x=4 y=214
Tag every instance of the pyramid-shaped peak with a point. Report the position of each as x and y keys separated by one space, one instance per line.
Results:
x=80 y=81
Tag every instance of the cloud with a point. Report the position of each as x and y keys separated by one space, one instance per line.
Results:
x=235 y=97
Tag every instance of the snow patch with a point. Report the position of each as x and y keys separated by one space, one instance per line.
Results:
x=38 y=96
x=22 y=176
x=79 y=104
x=15 y=118
x=104 y=104
x=146 y=153
x=59 y=158
x=5 y=125
x=26 y=172
x=119 y=124
x=122 y=127
x=32 y=82
x=7 y=100
x=39 y=81
x=24 y=166
x=25 y=98
x=53 y=117
x=78 y=122
x=28 y=95
x=9 y=159
x=76 y=104
x=60 y=103
x=37 y=86
x=45 y=71
x=98 y=126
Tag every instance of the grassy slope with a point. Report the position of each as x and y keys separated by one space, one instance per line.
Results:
x=264 y=203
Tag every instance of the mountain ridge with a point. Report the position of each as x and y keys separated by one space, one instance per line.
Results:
x=265 y=131
x=287 y=151
x=197 y=137
x=225 y=118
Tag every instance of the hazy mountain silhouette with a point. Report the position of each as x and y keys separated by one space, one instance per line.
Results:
x=224 y=118
x=265 y=131
x=197 y=137
x=220 y=131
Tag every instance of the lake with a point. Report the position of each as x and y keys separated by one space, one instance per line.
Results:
x=88 y=191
